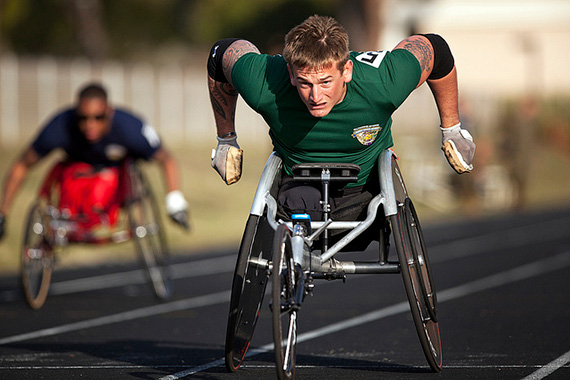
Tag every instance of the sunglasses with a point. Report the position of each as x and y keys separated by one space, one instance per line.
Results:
x=99 y=117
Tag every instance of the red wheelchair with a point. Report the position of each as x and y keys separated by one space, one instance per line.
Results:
x=51 y=227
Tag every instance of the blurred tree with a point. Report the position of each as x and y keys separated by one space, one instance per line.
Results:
x=86 y=19
x=264 y=23
x=35 y=27
x=363 y=22
x=120 y=29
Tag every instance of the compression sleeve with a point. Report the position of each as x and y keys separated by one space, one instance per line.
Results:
x=442 y=57
x=215 y=67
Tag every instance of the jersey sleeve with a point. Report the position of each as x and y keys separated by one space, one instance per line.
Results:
x=145 y=143
x=140 y=138
x=401 y=73
x=395 y=74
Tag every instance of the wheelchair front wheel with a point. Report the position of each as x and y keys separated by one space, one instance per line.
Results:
x=248 y=289
x=36 y=258
x=147 y=231
x=416 y=274
x=285 y=305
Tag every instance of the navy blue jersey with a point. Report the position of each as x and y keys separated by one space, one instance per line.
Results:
x=129 y=136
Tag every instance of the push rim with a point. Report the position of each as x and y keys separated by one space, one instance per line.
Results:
x=248 y=288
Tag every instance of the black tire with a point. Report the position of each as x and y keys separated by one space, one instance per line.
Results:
x=419 y=251
x=148 y=234
x=416 y=273
x=284 y=304
x=36 y=258
x=248 y=289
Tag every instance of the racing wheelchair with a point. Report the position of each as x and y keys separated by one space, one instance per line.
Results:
x=285 y=253
x=50 y=228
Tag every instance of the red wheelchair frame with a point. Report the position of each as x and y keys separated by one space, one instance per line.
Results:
x=82 y=228
x=132 y=215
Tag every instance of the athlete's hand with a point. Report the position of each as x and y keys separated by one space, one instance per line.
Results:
x=177 y=208
x=227 y=159
x=2 y=225
x=458 y=147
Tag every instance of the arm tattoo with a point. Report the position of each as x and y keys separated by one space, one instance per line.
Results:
x=217 y=107
x=219 y=95
x=422 y=51
x=234 y=52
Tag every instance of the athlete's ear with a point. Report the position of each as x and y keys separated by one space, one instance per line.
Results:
x=291 y=76
x=347 y=71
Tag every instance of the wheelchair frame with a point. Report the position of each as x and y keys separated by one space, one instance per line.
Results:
x=299 y=265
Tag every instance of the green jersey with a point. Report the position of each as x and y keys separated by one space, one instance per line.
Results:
x=355 y=131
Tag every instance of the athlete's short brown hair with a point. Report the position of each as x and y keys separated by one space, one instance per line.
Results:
x=318 y=42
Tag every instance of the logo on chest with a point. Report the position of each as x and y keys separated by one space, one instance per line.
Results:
x=115 y=152
x=366 y=134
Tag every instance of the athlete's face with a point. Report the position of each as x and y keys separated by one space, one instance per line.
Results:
x=322 y=89
x=94 y=118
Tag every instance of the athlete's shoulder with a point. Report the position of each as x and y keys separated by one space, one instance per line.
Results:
x=63 y=117
x=126 y=119
x=133 y=132
x=57 y=132
x=254 y=69
x=369 y=58
x=251 y=59
x=376 y=58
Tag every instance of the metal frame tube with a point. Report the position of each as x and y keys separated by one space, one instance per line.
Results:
x=270 y=171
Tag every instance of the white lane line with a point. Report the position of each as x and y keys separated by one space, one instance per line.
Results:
x=183 y=270
x=185 y=304
x=204 y=267
x=550 y=367
x=516 y=274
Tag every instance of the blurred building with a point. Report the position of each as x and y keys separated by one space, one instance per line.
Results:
x=501 y=46
x=504 y=49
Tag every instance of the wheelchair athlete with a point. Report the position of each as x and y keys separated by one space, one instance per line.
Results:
x=97 y=139
x=324 y=103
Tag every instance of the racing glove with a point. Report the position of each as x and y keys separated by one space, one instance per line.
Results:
x=177 y=208
x=227 y=159
x=458 y=147
x=2 y=225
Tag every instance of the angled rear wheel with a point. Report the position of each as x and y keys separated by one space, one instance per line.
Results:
x=36 y=258
x=416 y=273
x=147 y=231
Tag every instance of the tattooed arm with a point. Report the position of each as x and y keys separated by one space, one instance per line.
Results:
x=438 y=69
x=223 y=96
x=444 y=89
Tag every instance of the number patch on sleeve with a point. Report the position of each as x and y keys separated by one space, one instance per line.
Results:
x=150 y=134
x=372 y=58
